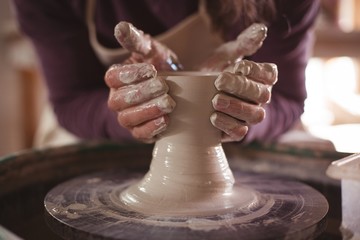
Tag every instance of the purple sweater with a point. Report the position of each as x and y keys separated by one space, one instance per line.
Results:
x=75 y=76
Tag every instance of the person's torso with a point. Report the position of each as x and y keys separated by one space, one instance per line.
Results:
x=177 y=24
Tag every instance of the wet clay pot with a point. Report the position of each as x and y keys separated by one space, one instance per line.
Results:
x=189 y=172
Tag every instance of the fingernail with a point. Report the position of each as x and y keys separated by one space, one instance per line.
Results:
x=228 y=82
x=219 y=102
x=155 y=87
x=132 y=38
x=111 y=73
x=258 y=32
x=272 y=72
x=121 y=31
x=243 y=67
x=165 y=103
x=161 y=123
x=219 y=81
x=224 y=123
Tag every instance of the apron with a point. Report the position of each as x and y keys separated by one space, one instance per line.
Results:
x=191 y=40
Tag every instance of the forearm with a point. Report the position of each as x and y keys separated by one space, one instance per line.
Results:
x=281 y=115
x=87 y=116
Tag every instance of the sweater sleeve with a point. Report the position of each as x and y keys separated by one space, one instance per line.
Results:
x=73 y=73
x=288 y=45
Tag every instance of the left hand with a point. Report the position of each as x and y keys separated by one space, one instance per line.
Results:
x=244 y=86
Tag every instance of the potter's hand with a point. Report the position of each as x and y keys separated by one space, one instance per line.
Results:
x=137 y=94
x=140 y=99
x=243 y=93
x=244 y=86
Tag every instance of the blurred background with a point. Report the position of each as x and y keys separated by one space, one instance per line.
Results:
x=332 y=109
x=21 y=87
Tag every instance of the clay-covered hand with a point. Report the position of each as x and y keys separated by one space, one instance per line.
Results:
x=137 y=94
x=244 y=86
x=241 y=98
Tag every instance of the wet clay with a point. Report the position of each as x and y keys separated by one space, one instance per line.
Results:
x=189 y=173
x=89 y=207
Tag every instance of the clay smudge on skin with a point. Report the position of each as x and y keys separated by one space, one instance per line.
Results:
x=145 y=90
x=263 y=72
x=240 y=110
x=165 y=103
x=242 y=87
x=136 y=72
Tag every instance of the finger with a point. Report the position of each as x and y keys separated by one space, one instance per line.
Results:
x=132 y=38
x=242 y=87
x=143 y=47
x=246 y=44
x=246 y=112
x=251 y=39
x=234 y=129
x=152 y=109
x=120 y=75
x=149 y=130
x=266 y=73
x=134 y=94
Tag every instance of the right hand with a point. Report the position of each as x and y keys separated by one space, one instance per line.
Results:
x=137 y=94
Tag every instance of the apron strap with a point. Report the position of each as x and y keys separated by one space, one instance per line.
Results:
x=191 y=39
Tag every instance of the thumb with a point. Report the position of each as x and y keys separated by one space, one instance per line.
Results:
x=251 y=39
x=132 y=39
x=152 y=51
x=246 y=44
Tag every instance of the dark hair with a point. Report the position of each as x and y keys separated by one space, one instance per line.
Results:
x=225 y=13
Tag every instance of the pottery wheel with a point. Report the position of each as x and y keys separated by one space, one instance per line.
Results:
x=88 y=207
